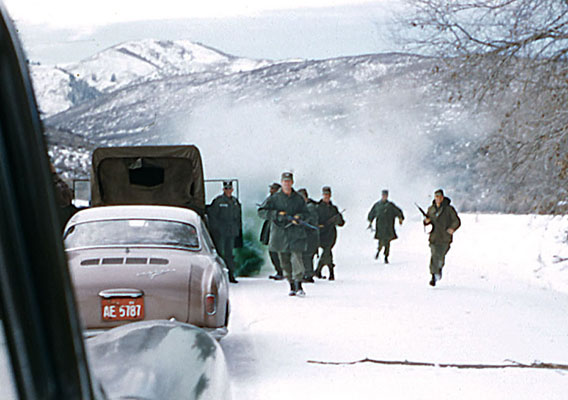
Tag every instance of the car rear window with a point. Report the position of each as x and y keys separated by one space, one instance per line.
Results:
x=141 y=232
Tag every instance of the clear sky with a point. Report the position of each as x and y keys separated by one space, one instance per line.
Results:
x=60 y=31
x=73 y=13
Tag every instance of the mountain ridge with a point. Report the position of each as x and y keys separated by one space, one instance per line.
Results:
x=126 y=64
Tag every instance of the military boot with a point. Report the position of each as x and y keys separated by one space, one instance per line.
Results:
x=433 y=281
x=299 y=291
x=292 y=291
x=332 y=272
x=232 y=277
x=386 y=260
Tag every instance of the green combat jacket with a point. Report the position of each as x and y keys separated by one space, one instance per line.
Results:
x=312 y=234
x=285 y=237
x=329 y=217
x=442 y=219
x=384 y=214
x=225 y=216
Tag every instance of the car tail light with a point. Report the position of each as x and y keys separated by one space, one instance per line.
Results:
x=211 y=304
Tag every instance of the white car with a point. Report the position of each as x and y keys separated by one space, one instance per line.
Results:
x=133 y=263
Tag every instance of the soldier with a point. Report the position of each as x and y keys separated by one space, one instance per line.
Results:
x=285 y=210
x=265 y=239
x=64 y=197
x=329 y=217
x=445 y=221
x=226 y=224
x=312 y=239
x=385 y=212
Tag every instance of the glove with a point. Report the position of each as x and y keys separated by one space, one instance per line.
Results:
x=281 y=217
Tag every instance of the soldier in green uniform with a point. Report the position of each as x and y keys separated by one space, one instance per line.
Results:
x=384 y=213
x=226 y=223
x=329 y=218
x=285 y=210
x=265 y=239
x=445 y=221
x=312 y=237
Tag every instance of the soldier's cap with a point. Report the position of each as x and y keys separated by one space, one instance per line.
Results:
x=303 y=192
x=385 y=192
x=275 y=186
x=326 y=190
x=287 y=176
x=227 y=184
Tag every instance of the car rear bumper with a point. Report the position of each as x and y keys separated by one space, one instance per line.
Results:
x=216 y=333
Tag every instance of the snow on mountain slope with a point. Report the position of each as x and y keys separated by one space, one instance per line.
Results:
x=52 y=89
x=321 y=90
x=132 y=63
x=376 y=112
x=352 y=115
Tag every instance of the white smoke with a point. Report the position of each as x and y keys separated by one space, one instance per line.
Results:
x=358 y=150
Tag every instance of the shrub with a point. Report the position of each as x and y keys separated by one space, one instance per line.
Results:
x=249 y=259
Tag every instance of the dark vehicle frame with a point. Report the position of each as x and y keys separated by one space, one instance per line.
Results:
x=42 y=330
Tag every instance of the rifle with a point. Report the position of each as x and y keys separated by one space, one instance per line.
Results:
x=329 y=221
x=300 y=222
x=425 y=216
x=421 y=211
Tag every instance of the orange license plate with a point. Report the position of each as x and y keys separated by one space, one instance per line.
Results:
x=122 y=309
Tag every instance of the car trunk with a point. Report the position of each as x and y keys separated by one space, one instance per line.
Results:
x=159 y=276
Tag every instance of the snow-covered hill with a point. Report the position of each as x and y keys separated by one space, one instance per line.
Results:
x=363 y=121
x=338 y=119
x=129 y=64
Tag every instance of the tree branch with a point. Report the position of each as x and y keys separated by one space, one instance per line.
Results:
x=513 y=364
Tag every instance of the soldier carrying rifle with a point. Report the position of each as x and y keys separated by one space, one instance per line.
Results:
x=445 y=221
x=329 y=217
x=313 y=237
x=286 y=211
x=265 y=239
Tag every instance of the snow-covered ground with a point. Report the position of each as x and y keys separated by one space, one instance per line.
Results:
x=502 y=298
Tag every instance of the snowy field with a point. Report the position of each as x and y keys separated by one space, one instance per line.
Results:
x=502 y=298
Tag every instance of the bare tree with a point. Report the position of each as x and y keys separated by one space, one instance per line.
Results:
x=508 y=58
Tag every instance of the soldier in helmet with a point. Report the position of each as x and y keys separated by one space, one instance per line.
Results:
x=265 y=239
x=312 y=237
x=385 y=213
x=285 y=210
x=329 y=218
x=226 y=224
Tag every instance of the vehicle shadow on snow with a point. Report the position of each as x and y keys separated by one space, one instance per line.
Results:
x=240 y=355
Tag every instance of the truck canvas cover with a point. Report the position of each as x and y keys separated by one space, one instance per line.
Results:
x=154 y=175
